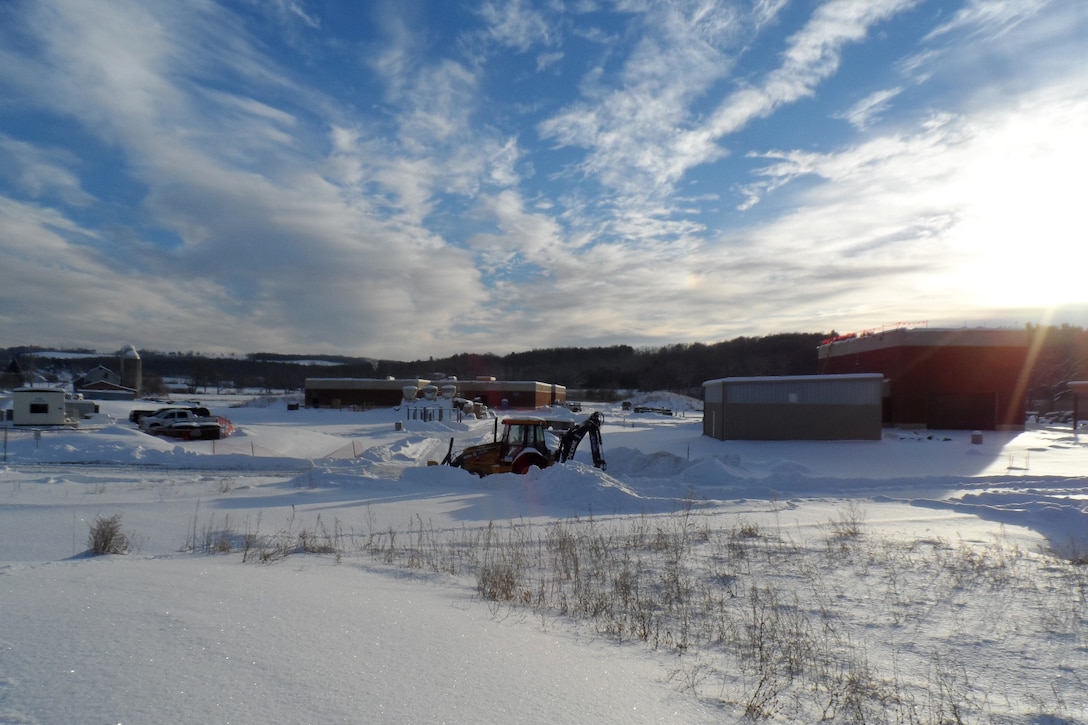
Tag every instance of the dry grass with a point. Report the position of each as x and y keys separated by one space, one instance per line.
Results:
x=768 y=626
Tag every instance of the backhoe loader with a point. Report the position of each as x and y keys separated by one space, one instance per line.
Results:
x=523 y=445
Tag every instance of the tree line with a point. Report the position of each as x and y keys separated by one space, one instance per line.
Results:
x=1058 y=354
x=680 y=367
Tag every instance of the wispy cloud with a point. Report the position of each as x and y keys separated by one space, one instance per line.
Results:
x=869 y=109
x=516 y=24
x=812 y=55
x=42 y=172
x=627 y=128
x=990 y=17
x=295 y=10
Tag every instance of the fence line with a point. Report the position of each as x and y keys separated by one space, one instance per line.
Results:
x=429 y=414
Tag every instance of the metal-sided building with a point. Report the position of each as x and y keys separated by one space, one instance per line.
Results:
x=946 y=379
x=795 y=407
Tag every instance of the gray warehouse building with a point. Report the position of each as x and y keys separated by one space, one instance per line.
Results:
x=797 y=407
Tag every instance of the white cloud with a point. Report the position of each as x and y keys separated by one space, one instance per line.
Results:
x=990 y=17
x=547 y=60
x=265 y=240
x=629 y=124
x=869 y=109
x=765 y=12
x=812 y=55
x=40 y=172
x=642 y=138
x=502 y=162
x=960 y=217
x=44 y=255
x=515 y=23
x=293 y=9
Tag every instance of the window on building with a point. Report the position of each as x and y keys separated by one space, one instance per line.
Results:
x=39 y=408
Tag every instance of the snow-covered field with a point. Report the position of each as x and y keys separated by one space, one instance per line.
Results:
x=313 y=568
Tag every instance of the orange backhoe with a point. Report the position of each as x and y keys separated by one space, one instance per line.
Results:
x=523 y=445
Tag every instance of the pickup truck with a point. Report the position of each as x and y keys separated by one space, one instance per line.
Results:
x=138 y=415
x=187 y=424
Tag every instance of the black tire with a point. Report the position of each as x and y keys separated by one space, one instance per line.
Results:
x=522 y=465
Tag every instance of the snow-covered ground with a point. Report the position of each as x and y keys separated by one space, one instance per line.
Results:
x=934 y=571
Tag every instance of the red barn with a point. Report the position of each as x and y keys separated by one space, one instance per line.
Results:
x=941 y=379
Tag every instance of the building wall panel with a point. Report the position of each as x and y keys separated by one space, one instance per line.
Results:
x=786 y=422
x=959 y=379
x=794 y=408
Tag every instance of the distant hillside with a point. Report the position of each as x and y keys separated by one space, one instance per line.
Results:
x=678 y=367
x=1061 y=355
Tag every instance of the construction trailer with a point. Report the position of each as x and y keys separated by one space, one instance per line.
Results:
x=795 y=407
x=38 y=406
x=942 y=379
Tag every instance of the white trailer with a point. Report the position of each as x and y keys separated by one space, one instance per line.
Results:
x=38 y=406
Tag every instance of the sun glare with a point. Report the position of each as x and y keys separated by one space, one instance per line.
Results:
x=1022 y=238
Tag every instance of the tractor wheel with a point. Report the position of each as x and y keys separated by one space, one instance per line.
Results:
x=522 y=465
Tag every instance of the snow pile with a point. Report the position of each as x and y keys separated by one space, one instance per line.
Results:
x=666 y=400
x=165 y=633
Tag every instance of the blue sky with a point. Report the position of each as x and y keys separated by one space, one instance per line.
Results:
x=409 y=178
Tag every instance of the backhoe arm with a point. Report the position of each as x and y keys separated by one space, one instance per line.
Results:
x=568 y=444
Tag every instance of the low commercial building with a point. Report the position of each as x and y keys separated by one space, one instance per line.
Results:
x=358 y=392
x=512 y=393
x=389 y=392
x=944 y=379
x=798 y=407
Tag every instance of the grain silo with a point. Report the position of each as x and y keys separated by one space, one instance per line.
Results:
x=132 y=373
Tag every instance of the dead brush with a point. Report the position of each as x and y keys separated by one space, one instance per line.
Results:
x=848 y=524
x=502 y=574
x=106 y=536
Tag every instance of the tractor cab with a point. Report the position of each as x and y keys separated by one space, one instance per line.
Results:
x=522 y=446
x=520 y=435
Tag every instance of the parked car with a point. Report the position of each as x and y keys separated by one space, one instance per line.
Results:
x=187 y=424
x=136 y=416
